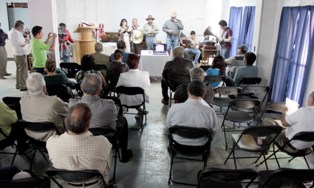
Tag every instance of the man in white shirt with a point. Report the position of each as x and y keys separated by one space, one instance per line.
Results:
x=134 y=78
x=20 y=52
x=78 y=149
x=194 y=112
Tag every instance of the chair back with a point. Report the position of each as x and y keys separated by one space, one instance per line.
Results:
x=256 y=91
x=246 y=104
x=100 y=67
x=74 y=176
x=249 y=81
x=225 y=178
x=262 y=131
x=304 y=136
x=110 y=134
x=38 y=126
x=116 y=100
x=213 y=79
x=61 y=91
x=14 y=104
x=131 y=91
x=70 y=69
x=285 y=177
x=189 y=132
x=227 y=90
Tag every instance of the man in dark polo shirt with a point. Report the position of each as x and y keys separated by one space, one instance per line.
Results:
x=225 y=39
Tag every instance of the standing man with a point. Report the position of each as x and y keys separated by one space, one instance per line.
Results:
x=136 y=37
x=225 y=40
x=19 y=47
x=39 y=48
x=193 y=48
x=150 y=31
x=64 y=40
x=172 y=27
x=3 y=55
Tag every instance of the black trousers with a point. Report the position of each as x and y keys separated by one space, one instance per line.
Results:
x=164 y=89
x=122 y=134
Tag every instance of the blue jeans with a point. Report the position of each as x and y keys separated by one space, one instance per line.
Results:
x=197 y=53
x=225 y=52
x=65 y=56
x=149 y=42
x=172 y=42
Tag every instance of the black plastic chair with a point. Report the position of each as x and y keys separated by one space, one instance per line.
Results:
x=301 y=136
x=111 y=135
x=185 y=150
x=100 y=67
x=77 y=178
x=239 y=111
x=249 y=81
x=36 y=145
x=285 y=177
x=61 y=91
x=14 y=104
x=134 y=91
x=70 y=69
x=6 y=142
x=257 y=139
x=225 y=178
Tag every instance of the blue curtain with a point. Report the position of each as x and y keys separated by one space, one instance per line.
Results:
x=294 y=53
x=235 y=19
x=247 y=28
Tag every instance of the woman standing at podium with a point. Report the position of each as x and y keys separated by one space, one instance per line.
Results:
x=124 y=33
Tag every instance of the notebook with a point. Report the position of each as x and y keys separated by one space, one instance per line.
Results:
x=160 y=49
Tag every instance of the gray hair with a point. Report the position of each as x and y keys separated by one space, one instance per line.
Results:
x=91 y=84
x=178 y=51
x=98 y=47
x=197 y=73
x=35 y=84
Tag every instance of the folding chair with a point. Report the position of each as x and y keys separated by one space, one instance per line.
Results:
x=225 y=178
x=285 y=177
x=186 y=150
x=14 y=104
x=36 y=145
x=76 y=178
x=240 y=111
x=8 y=141
x=286 y=147
x=249 y=81
x=111 y=135
x=212 y=79
x=173 y=85
x=272 y=113
x=61 y=91
x=254 y=92
x=70 y=69
x=223 y=99
x=256 y=139
x=132 y=91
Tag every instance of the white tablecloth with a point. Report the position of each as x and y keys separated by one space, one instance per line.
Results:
x=109 y=48
x=154 y=64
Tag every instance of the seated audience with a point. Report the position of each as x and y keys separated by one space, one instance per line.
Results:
x=104 y=112
x=39 y=107
x=121 y=46
x=218 y=68
x=299 y=121
x=192 y=47
x=78 y=149
x=55 y=76
x=181 y=94
x=115 y=68
x=234 y=62
x=176 y=71
x=194 y=112
x=134 y=78
x=249 y=70
x=100 y=58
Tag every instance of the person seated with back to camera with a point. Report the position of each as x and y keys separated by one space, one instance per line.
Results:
x=134 y=78
x=87 y=65
x=181 y=94
x=100 y=59
x=104 y=112
x=121 y=46
x=79 y=149
x=176 y=71
x=247 y=71
x=192 y=47
x=233 y=63
x=55 y=76
x=194 y=112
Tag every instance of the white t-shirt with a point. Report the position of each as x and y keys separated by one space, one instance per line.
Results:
x=299 y=121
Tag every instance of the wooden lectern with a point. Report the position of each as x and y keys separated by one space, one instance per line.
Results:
x=85 y=43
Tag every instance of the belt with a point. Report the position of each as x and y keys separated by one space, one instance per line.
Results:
x=83 y=184
x=173 y=35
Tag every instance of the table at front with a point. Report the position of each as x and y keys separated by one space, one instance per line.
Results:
x=154 y=64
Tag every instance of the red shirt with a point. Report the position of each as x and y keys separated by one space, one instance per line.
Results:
x=225 y=34
x=67 y=38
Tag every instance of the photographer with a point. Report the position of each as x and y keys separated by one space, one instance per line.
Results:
x=64 y=40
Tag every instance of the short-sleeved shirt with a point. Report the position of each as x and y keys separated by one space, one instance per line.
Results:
x=39 y=53
x=226 y=34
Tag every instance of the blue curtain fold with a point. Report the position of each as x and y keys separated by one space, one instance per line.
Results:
x=235 y=22
x=294 y=53
x=247 y=28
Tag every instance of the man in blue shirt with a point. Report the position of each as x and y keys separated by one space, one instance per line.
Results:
x=249 y=70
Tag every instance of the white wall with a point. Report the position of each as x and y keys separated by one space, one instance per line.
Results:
x=195 y=16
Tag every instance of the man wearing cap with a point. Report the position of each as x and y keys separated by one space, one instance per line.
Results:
x=136 y=37
x=150 y=31
x=172 y=27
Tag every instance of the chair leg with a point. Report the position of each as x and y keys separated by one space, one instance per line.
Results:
x=265 y=162
x=291 y=159
x=32 y=160
x=258 y=158
x=15 y=153
x=234 y=160
x=306 y=162
x=229 y=155
x=171 y=162
x=42 y=153
x=225 y=136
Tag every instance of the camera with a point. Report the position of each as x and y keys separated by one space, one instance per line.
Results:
x=61 y=32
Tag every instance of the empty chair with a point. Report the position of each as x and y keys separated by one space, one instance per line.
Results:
x=225 y=178
x=223 y=99
x=272 y=113
x=76 y=178
x=239 y=111
x=285 y=177
x=186 y=150
x=249 y=81
x=256 y=139
x=61 y=91
x=70 y=69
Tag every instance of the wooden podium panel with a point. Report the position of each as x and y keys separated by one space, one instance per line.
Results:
x=85 y=43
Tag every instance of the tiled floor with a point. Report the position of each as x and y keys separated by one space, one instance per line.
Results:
x=150 y=164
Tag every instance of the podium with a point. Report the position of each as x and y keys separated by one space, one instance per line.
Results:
x=85 y=43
